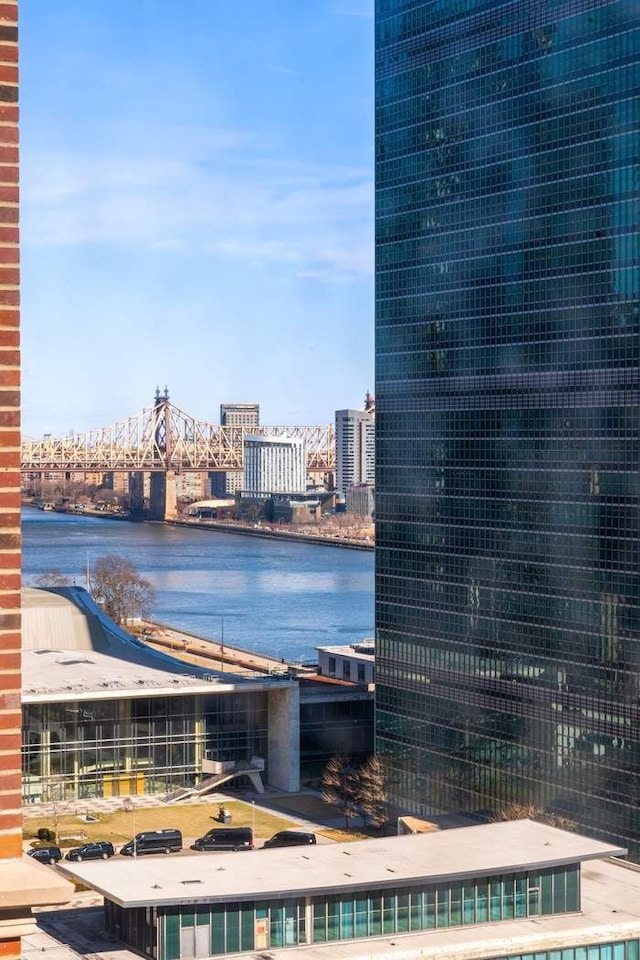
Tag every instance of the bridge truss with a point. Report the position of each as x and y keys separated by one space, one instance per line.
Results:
x=164 y=438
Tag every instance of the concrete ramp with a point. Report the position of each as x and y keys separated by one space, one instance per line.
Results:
x=212 y=783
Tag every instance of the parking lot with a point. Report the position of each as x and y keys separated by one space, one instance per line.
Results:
x=77 y=931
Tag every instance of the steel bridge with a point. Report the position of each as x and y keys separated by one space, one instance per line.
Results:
x=164 y=440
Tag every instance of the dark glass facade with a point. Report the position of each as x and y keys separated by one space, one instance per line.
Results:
x=507 y=415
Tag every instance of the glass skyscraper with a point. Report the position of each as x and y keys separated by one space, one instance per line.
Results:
x=507 y=407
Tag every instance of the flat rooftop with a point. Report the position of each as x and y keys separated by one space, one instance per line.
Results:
x=356 y=651
x=73 y=651
x=464 y=852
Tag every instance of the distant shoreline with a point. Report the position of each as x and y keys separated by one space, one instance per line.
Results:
x=246 y=530
x=270 y=534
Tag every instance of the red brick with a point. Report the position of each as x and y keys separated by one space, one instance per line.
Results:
x=11 y=822
x=9 y=378
x=8 y=126
x=8 y=154
x=9 y=438
x=8 y=214
x=9 y=663
x=9 y=581
x=9 y=172
x=9 y=234
x=9 y=11
x=9 y=135
x=10 y=721
x=9 y=643
x=9 y=319
x=10 y=193
x=9 y=52
x=9 y=338
x=9 y=541
x=8 y=648
x=10 y=698
x=8 y=73
x=11 y=741
x=10 y=777
x=7 y=478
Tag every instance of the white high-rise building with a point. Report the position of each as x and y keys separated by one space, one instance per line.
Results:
x=355 y=448
x=274 y=465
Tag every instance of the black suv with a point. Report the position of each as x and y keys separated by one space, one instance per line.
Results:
x=290 y=838
x=97 y=850
x=46 y=854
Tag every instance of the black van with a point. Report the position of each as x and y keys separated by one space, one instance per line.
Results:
x=153 y=841
x=225 y=838
x=290 y=838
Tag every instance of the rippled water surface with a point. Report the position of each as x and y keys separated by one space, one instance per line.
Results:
x=279 y=597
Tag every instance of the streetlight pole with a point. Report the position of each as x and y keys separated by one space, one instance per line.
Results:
x=222 y=643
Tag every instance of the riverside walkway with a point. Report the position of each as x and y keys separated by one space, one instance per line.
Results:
x=202 y=652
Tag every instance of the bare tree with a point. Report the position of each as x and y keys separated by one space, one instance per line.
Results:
x=357 y=791
x=371 y=792
x=52 y=578
x=340 y=786
x=120 y=589
x=529 y=811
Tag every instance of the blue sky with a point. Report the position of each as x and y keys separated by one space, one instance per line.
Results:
x=197 y=208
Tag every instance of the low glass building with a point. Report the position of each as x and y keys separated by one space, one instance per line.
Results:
x=105 y=715
x=518 y=880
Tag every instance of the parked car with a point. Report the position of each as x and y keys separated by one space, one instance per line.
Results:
x=225 y=838
x=46 y=854
x=97 y=850
x=153 y=841
x=290 y=838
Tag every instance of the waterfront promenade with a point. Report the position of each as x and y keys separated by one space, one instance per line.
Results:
x=203 y=652
x=324 y=536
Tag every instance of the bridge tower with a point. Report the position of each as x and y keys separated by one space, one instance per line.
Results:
x=162 y=492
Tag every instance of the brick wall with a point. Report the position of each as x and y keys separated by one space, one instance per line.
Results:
x=10 y=788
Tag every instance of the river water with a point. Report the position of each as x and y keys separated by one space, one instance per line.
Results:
x=278 y=597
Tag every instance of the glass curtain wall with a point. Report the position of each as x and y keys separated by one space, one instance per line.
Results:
x=141 y=745
x=218 y=929
x=507 y=415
